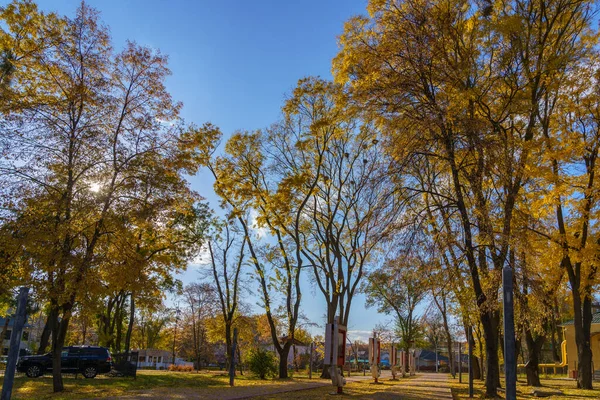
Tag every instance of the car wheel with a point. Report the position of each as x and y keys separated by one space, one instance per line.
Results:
x=90 y=371
x=33 y=371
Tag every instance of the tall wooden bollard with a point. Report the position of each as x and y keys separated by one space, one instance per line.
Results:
x=15 y=344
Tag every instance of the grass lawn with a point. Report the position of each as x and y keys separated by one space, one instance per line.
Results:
x=103 y=386
x=400 y=389
x=566 y=386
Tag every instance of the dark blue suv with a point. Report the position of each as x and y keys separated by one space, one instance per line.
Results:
x=89 y=360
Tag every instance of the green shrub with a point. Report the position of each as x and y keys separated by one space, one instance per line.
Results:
x=262 y=363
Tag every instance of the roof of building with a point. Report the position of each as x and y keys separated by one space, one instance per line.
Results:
x=430 y=355
x=595 y=319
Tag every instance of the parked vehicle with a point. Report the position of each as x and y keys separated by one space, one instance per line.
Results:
x=89 y=360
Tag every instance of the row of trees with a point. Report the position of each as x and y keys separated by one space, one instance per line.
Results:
x=495 y=104
x=98 y=218
x=458 y=138
x=96 y=214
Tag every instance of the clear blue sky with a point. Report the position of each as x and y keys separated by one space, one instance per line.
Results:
x=232 y=64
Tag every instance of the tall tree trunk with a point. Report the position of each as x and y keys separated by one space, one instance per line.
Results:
x=490 y=321
x=45 y=338
x=239 y=354
x=476 y=367
x=119 y=321
x=4 y=329
x=533 y=354
x=331 y=309
x=131 y=322
x=555 y=334
x=482 y=360
x=83 y=333
x=295 y=353
x=583 y=323
x=474 y=363
x=283 y=360
x=442 y=307
x=58 y=342
x=229 y=359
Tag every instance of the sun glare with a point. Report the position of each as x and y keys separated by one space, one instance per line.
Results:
x=95 y=187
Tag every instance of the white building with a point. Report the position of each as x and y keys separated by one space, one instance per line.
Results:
x=158 y=359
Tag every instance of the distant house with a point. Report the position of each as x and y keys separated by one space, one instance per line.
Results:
x=158 y=359
x=571 y=353
x=426 y=360
x=25 y=338
x=297 y=348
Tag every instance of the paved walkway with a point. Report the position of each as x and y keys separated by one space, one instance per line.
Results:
x=424 y=386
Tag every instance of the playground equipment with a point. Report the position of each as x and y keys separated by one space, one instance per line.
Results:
x=375 y=356
x=563 y=363
x=335 y=353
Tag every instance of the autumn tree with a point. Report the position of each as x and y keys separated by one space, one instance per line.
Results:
x=354 y=207
x=227 y=249
x=565 y=202
x=465 y=83
x=150 y=328
x=74 y=159
x=200 y=301
x=397 y=288
x=254 y=178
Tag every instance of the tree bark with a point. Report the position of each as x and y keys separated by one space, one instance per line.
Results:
x=131 y=322
x=490 y=322
x=283 y=360
x=239 y=356
x=4 y=330
x=476 y=367
x=583 y=323
x=58 y=342
x=532 y=366
x=228 y=343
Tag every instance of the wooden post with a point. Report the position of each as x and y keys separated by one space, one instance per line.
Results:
x=232 y=363
x=310 y=360
x=15 y=344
